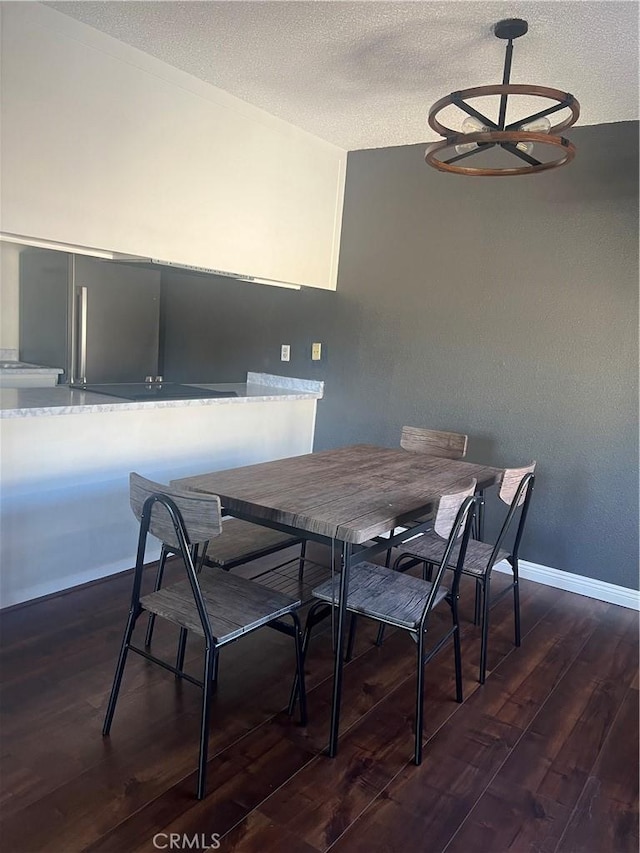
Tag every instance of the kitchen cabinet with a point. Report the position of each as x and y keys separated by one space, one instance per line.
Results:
x=106 y=147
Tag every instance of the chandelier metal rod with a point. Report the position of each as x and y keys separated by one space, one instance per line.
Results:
x=505 y=82
x=457 y=101
x=513 y=149
x=484 y=146
x=515 y=125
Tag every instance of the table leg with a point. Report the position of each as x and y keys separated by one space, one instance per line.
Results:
x=339 y=658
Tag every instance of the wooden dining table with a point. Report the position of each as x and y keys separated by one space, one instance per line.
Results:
x=352 y=498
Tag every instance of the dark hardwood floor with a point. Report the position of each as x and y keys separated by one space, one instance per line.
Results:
x=543 y=757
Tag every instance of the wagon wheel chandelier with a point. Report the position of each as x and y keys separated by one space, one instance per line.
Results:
x=519 y=138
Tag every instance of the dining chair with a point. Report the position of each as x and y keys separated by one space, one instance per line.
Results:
x=216 y=605
x=406 y=602
x=516 y=488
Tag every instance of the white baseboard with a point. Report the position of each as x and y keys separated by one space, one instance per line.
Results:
x=590 y=587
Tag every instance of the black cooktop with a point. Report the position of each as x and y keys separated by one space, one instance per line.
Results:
x=155 y=391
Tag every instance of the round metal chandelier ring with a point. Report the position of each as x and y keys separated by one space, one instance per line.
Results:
x=498 y=137
x=504 y=89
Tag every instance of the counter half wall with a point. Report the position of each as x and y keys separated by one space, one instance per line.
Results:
x=64 y=514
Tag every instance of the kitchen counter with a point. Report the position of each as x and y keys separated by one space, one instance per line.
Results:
x=65 y=400
x=66 y=455
x=15 y=374
x=9 y=367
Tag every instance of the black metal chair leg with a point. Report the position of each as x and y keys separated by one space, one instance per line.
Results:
x=387 y=559
x=478 y=603
x=380 y=635
x=301 y=691
x=419 y=698
x=117 y=678
x=216 y=667
x=457 y=651
x=150 y=624
x=182 y=646
x=293 y=695
x=351 y=639
x=303 y=552
x=485 y=631
x=306 y=638
x=152 y=616
x=200 y=556
x=516 y=601
x=210 y=656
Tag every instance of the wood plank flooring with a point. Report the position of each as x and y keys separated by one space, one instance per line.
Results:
x=543 y=757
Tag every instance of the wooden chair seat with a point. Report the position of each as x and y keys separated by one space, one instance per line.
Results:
x=242 y=542
x=381 y=593
x=430 y=548
x=234 y=605
x=238 y=542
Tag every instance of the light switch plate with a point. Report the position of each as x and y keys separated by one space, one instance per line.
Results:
x=316 y=352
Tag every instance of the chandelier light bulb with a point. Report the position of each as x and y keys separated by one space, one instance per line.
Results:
x=471 y=125
x=526 y=147
x=540 y=125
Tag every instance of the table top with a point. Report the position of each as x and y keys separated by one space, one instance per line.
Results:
x=350 y=494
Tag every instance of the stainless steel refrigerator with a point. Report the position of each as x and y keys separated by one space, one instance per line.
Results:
x=97 y=320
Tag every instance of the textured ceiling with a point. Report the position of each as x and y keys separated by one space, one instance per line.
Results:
x=364 y=74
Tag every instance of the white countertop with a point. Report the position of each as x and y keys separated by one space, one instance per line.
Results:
x=65 y=400
x=11 y=366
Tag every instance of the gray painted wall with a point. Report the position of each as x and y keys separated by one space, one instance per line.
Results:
x=506 y=308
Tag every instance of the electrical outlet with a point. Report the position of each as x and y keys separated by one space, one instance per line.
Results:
x=316 y=352
x=285 y=352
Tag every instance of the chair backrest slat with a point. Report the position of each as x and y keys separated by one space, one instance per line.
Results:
x=448 y=507
x=201 y=513
x=449 y=445
x=511 y=480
